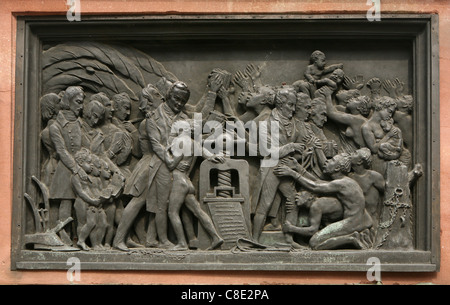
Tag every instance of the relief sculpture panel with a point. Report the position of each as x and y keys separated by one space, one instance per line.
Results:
x=146 y=154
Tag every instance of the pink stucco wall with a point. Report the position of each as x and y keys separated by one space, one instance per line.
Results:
x=11 y=8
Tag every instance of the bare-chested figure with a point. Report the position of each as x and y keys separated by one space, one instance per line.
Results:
x=350 y=195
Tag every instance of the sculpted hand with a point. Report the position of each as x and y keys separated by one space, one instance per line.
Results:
x=286 y=150
x=217 y=159
x=129 y=126
x=243 y=81
x=171 y=159
x=392 y=132
x=326 y=91
x=83 y=175
x=290 y=206
x=399 y=87
x=312 y=141
x=254 y=72
x=283 y=170
x=300 y=147
x=244 y=97
x=223 y=93
x=390 y=88
x=106 y=194
x=374 y=84
x=290 y=162
x=215 y=82
x=117 y=146
x=350 y=84
x=183 y=166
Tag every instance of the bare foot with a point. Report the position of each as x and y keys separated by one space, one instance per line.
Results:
x=132 y=244
x=166 y=245
x=217 y=242
x=180 y=247
x=152 y=244
x=98 y=248
x=121 y=246
x=83 y=246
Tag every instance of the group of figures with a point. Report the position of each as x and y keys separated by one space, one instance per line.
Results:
x=342 y=178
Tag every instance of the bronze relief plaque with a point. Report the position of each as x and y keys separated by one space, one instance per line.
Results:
x=227 y=143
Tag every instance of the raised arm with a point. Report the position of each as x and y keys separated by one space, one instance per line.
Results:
x=227 y=108
x=332 y=112
x=331 y=68
x=208 y=100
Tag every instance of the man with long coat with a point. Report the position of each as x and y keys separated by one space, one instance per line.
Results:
x=268 y=184
x=160 y=179
x=68 y=138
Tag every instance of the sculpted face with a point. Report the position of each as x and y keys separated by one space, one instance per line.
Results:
x=123 y=110
x=105 y=171
x=96 y=166
x=288 y=106
x=76 y=103
x=330 y=166
x=254 y=100
x=177 y=99
x=386 y=114
x=109 y=110
x=303 y=108
x=95 y=117
x=361 y=156
x=356 y=158
x=321 y=61
x=357 y=106
x=319 y=115
x=337 y=76
x=152 y=99
x=387 y=125
x=86 y=165
x=405 y=103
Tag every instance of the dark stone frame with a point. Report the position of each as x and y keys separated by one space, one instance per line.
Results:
x=421 y=30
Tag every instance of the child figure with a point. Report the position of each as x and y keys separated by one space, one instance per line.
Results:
x=183 y=191
x=96 y=170
x=315 y=72
x=391 y=145
x=113 y=184
x=332 y=82
x=88 y=204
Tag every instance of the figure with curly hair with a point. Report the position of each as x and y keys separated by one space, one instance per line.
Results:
x=355 y=218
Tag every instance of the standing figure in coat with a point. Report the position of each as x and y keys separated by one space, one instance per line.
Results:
x=67 y=137
x=137 y=184
x=158 y=128
x=269 y=184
